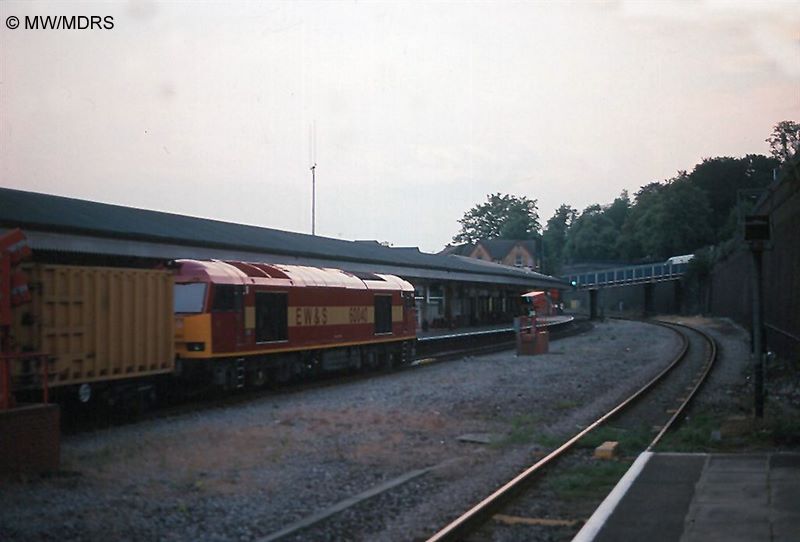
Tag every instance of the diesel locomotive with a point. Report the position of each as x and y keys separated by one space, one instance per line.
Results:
x=239 y=323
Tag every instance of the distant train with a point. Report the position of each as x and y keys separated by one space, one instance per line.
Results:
x=676 y=260
x=116 y=332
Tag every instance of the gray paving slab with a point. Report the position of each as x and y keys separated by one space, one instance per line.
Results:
x=785 y=495
x=720 y=497
x=752 y=494
x=738 y=463
x=786 y=529
x=673 y=468
x=726 y=514
x=741 y=477
x=655 y=506
x=785 y=461
x=751 y=532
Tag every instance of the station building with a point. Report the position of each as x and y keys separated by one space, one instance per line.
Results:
x=451 y=290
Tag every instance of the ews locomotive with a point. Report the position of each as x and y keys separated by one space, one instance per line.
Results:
x=241 y=323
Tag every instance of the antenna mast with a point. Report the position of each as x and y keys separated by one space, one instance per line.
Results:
x=312 y=159
x=313 y=199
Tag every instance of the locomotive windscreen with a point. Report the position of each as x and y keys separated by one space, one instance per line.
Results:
x=189 y=297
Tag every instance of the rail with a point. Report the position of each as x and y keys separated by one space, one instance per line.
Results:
x=477 y=515
x=6 y=380
x=712 y=357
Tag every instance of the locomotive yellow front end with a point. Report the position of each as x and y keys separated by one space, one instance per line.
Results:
x=192 y=320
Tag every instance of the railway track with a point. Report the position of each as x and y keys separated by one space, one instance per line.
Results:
x=515 y=511
x=80 y=418
x=372 y=501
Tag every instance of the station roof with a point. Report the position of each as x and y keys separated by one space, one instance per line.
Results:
x=499 y=248
x=74 y=225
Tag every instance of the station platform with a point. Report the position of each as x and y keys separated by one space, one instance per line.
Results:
x=702 y=497
x=541 y=321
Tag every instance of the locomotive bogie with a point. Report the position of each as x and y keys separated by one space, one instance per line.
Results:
x=279 y=368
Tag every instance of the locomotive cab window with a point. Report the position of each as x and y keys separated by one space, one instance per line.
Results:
x=383 y=314
x=189 y=297
x=272 y=322
x=227 y=297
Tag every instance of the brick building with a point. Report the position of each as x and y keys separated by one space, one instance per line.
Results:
x=516 y=253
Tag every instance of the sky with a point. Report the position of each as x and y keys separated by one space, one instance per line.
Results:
x=413 y=112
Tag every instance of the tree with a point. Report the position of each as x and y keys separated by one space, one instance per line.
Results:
x=784 y=141
x=501 y=217
x=628 y=245
x=592 y=236
x=618 y=211
x=554 y=238
x=721 y=178
x=595 y=233
x=674 y=222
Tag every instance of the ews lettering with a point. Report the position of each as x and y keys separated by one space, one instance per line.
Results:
x=311 y=316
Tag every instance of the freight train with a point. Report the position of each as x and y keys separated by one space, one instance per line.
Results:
x=113 y=332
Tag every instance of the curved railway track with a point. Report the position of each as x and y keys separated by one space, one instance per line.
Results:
x=660 y=403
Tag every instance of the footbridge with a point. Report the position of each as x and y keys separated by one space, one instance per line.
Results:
x=647 y=274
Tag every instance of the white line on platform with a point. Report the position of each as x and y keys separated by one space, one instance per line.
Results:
x=590 y=529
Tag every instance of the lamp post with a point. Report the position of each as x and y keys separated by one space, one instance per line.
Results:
x=757 y=234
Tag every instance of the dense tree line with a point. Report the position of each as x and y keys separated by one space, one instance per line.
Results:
x=663 y=219
x=677 y=216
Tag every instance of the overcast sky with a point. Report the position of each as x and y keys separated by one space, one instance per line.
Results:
x=419 y=109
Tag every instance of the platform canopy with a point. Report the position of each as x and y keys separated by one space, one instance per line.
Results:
x=68 y=225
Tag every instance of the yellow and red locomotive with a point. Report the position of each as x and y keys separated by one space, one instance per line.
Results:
x=243 y=323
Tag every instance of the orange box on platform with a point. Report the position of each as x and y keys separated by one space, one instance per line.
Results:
x=542 y=343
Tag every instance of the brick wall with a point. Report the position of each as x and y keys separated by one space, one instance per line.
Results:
x=30 y=440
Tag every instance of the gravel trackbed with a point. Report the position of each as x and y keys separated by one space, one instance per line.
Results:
x=246 y=471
